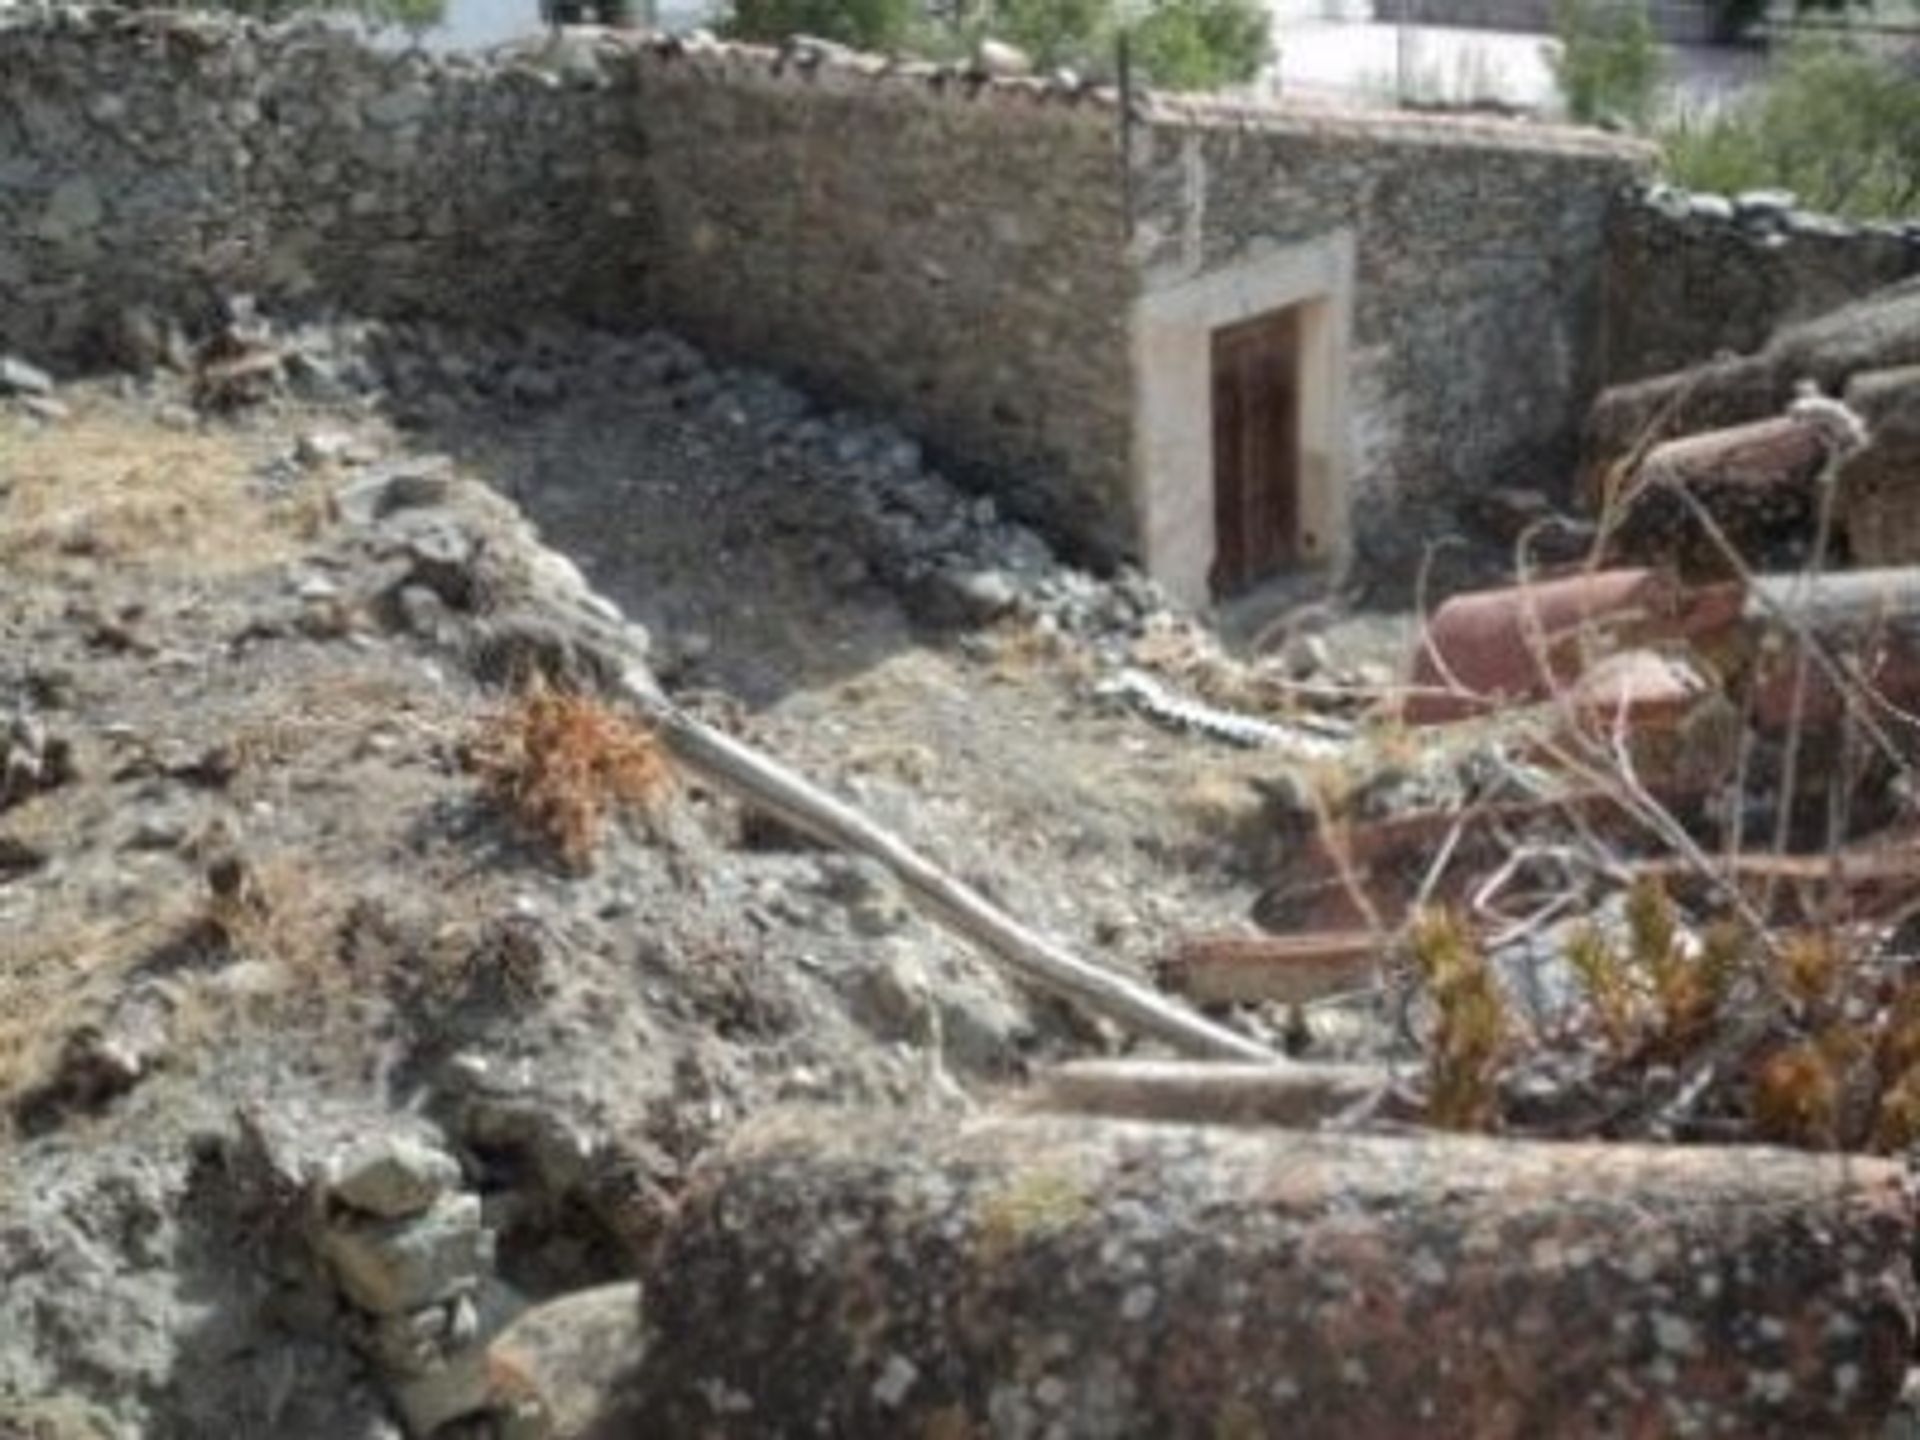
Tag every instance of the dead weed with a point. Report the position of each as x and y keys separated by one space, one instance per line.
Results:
x=559 y=762
x=104 y=486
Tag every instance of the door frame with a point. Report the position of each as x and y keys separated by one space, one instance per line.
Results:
x=1173 y=411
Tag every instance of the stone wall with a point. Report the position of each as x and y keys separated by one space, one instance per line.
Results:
x=969 y=257
x=1477 y=250
x=155 y=159
x=1691 y=275
x=952 y=254
x=949 y=253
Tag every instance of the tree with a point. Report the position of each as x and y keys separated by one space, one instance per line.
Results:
x=1608 y=65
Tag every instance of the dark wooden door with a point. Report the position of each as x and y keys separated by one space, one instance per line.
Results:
x=1256 y=461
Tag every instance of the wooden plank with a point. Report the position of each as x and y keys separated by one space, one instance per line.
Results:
x=1291 y=969
x=1204 y=1092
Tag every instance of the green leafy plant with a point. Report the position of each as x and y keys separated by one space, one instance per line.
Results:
x=862 y=24
x=1608 y=65
x=1837 y=126
x=1203 y=44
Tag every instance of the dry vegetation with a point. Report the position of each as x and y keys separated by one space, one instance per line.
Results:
x=560 y=763
x=125 y=491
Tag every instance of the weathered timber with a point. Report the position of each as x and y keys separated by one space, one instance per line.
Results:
x=1204 y=1092
x=1289 y=969
x=1758 y=481
x=1880 y=487
x=1077 y=1278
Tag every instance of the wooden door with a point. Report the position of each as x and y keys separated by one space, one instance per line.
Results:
x=1256 y=445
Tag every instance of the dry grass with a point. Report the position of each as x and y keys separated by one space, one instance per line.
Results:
x=559 y=763
x=109 y=487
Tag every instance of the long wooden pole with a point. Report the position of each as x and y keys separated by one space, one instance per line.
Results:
x=763 y=782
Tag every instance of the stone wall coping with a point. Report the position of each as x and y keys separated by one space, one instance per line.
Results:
x=1415 y=127
x=597 y=55
x=1765 y=216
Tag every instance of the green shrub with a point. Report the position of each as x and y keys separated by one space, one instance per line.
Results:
x=1203 y=44
x=862 y=24
x=1837 y=127
x=1177 y=44
x=1076 y=33
x=1608 y=66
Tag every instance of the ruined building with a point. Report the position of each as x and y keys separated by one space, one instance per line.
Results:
x=1225 y=342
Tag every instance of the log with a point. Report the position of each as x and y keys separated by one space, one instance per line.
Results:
x=1209 y=1093
x=1076 y=1278
x=1759 y=481
x=1288 y=969
x=1522 y=642
x=766 y=785
x=1041 y=961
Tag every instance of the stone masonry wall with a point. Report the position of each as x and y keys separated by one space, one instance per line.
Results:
x=154 y=159
x=951 y=254
x=948 y=252
x=1691 y=275
x=1477 y=295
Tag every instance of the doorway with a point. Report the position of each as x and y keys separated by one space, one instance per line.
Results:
x=1256 y=450
x=1243 y=440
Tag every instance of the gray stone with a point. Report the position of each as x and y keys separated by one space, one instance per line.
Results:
x=447 y=1392
x=397 y=108
x=1758 y=204
x=889 y=994
x=982 y=595
x=999 y=59
x=390 y=1266
x=1716 y=208
x=565 y=1361
x=17 y=377
x=393 y=1175
x=46 y=409
x=386 y=489
x=73 y=208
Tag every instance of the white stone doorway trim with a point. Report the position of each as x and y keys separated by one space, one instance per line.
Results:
x=1173 y=397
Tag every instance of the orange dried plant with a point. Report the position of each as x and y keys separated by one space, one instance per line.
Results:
x=559 y=762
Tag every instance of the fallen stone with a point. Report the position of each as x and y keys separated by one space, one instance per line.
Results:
x=387 y=489
x=1001 y=60
x=556 y=1371
x=446 y=1392
x=1079 y=1278
x=393 y=1175
x=389 y=1266
x=17 y=377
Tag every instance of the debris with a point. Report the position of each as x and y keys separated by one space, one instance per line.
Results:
x=1289 y=969
x=1204 y=1092
x=557 y=1371
x=1488 y=649
x=1159 y=1277
x=1156 y=701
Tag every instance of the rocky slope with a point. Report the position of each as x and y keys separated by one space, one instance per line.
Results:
x=264 y=924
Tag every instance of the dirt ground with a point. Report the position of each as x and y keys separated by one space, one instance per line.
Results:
x=252 y=869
